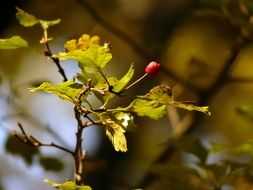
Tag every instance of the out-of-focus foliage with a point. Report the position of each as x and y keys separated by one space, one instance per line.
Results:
x=50 y=163
x=26 y=151
x=13 y=43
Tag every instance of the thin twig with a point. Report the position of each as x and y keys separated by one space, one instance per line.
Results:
x=35 y=142
x=56 y=61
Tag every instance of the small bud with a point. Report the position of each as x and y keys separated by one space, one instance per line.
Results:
x=153 y=68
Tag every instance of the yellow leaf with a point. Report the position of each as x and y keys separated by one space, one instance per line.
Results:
x=115 y=132
x=83 y=43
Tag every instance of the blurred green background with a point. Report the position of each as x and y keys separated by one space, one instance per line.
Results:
x=206 y=54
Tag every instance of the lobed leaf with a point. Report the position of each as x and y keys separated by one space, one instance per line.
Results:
x=150 y=108
x=163 y=94
x=115 y=129
x=93 y=75
x=68 y=90
x=68 y=185
x=117 y=85
x=13 y=43
x=160 y=93
x=94 y=57
x=25 y=18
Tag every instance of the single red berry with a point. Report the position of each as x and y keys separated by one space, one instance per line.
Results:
x=152 y=68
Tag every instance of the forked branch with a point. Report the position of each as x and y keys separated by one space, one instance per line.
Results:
x=31 y=140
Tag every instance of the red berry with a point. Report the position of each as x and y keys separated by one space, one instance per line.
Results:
x=152 y=68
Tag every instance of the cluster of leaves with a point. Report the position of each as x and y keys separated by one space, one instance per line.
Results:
x=92 y=57
x=200 y=173
x=92 y=81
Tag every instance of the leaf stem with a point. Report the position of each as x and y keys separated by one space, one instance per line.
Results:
x=135 y=82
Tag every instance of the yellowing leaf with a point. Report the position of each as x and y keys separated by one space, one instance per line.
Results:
x=68 y=90
x=191 y=107
x=25 y=18
x=125 y=118
x=160 y=93
x=94 y=57
x=68 y=185
x=163 y=94
x=13 y=43
x=83 y=43
x=152 y=109
x=114 y=129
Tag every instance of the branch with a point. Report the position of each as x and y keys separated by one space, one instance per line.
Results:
x=79 y=153
x=56 y=61
x=35 y=142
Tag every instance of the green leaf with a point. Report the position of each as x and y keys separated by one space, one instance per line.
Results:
x=163 y=94
x=25 y=18
x=115 y=130
x=68 y=185
x=93 y=75
x=152 y=109
x=37 y=83
x=29 y=20
x=15 y=147
x=68 y=90
x=51 y=163
x=46 y=24
x=119 y=85
x=94 y=57
x=13 y=43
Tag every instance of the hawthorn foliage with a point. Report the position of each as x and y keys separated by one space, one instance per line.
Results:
x=92 y=57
